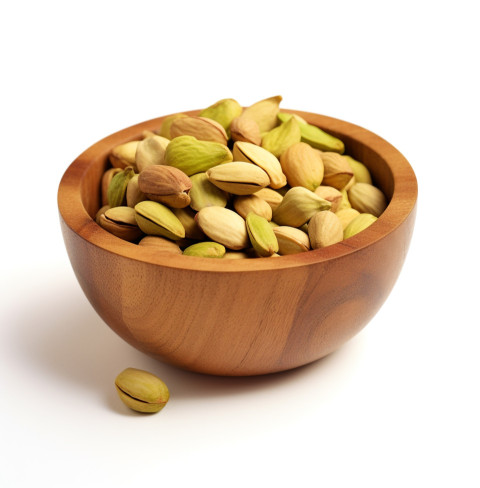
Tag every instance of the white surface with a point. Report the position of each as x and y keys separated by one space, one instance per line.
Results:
x=398 y=405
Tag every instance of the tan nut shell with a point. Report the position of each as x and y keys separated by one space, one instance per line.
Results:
x=337 y=171
x=303 y=166
x=272 y=197
x=346 y=215
x=291 y=240
x=367 y=199
x=244 y=204
x=238 y=178
x=160 y=245
x=201 y=128
x=150 y=152
x=123 y=155
x=244 y=129
x=120 y=221
x=324 y=229
x=331 y=194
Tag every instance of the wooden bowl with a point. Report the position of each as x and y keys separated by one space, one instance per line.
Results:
x=239 y=317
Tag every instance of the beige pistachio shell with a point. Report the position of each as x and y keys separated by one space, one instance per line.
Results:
x=150 y=151
x=120 y=221
x=100 y=213
x=359 y=223
x=291 y=240
x=123 y=155
x=167 y=123
x=285 y=117
x=279 y=139
x=345 y=202
x=224 y=112
x=261 y=235
x=238 y=178
x=272 y=197
x=244 y=204
x=205 y=250
x=367 y=198
x=202 y=128
x=106 y=180
x=360 y=171
x=117 y=189
x=236 y=255
x=264 y=113
x=346 y=215
x=337 y=171
x=158 y=220
x=243 y=129
x=160 y=245
x=206 y=194
x=324 y=229
x=330 y=194
x=303 y=166
x=187 y=218
x=133 y=194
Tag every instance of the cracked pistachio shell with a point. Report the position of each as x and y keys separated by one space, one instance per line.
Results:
x=359 y=223
x=133 y=194
x=205 y=250
x=291 y=240
x=193 y=156
x=367 y=199
x=244 y=204
x=346 y=215
x=251 y=153
x=337 y=171
x=100 y=213
x=298 y=206
x=224 y=226
x=117 y=189
x=187 y=218
x=167 y=123
x=160 y=244
x=261 y=235
x=279 y=139
x=324 y=229
x=264 y=113
x=331 y=194
x=106 y=180
x=223 y=112
x=302 y=165
x=360 y=171
x=206 y=194
x=158 y=220
x=141 y=391
x=244 y=129
x=238 y=178
x=150 y=151
x=123 y=155
x=121 y=222
x=201 y=128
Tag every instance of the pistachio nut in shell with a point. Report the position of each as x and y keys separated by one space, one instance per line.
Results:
x=279 y=139
x=331 y=194
x=346 y=215
x=106 y=179
x=224 y=112
x=201 y=128
x=117 y=189
x=224 y=226
x=156 y=219
x=291 y=240
x=246 y=130
x=165 y=184
x=303 y=166
x=261 y=235
x=244 y=204
x=123 y=155
x=360 y=171
x=160 y=244
x=285 y=117
x=337 y=171
x=272 y=197
x=298 y=206
x=133 y=194
x=141 y=391
x=167 y=123
x=238 y=178
x=206 y=194
x=193 y=156
x=324 y=229
x=150 y=152
x=264 y=113
x=359 y=223
x=187 y=218
x=120 y=221
x=205 y=249
x=367 y=199
x=100 y=213
x=345 y=202
x=251 y=153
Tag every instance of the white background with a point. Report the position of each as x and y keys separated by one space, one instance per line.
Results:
x=398 y=405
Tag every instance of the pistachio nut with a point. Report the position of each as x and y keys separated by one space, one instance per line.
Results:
x=346 y=215
x=324 y=229
x=261 y=235
x=291 y=240
x=250 y=153
x=160 y=245
x=133 y=193
x=206 y=194
x=121 y=222
x=150 y=152
x=302 y=165
x=116 y=194
x=165 y=184
x=193 y=156
x=141 y=391
x=157 y=220
x=238 y=178
x=223 y=226
x=360 y=171
x=101 y=212
x=331 y=194
x=201 y=128
x=272 y=197
x=285 y=117
x=244 y=204
x=367 y=198
x=224 y=112
x=123 y=155
x=106 y=180
x=187 y=218
x=264 y=113
x=359 y=223
x=205 y=250
x=246 y=130
x=167 y=123
x=298 y=206
x=279 y=139
x=345 y=202
x=337 y=171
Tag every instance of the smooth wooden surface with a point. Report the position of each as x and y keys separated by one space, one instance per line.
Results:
x=239 y=317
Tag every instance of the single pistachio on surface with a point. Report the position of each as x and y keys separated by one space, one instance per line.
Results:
x=205 y=250
x=291 y=240
x=165 y=184
x=121 y=222
x=331 y=194
x=101 y=212
x=279 y=139
x=360 y=171
x=298 y=206
x=244 y=204
x=272 y=197
x=302 y=165
x=106 y=180
x=367 y=198
x=133 y=194
x=141 y=391
x=157 y=220
x=167 y=123
x=187 y=218
x=160 y=244
x=261 y=235
x=118 y=187
x=245 y=130
x=346 y=215
x=123 y=155
x=285 y=117
x=150 y=151
x=324 y=229
x=193 y=156
x=337 y=171
x=224 y=112
x=206 y=194
x=223 y=226
x=238 y=178
x=359 y=223
x=264 y=113
x=201 y=128
x=250 y=153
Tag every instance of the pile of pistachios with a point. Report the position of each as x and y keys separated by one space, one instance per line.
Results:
x=237 y=182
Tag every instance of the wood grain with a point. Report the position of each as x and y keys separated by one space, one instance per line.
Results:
x=239 y=317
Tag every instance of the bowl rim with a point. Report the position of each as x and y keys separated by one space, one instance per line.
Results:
x=74 y=215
